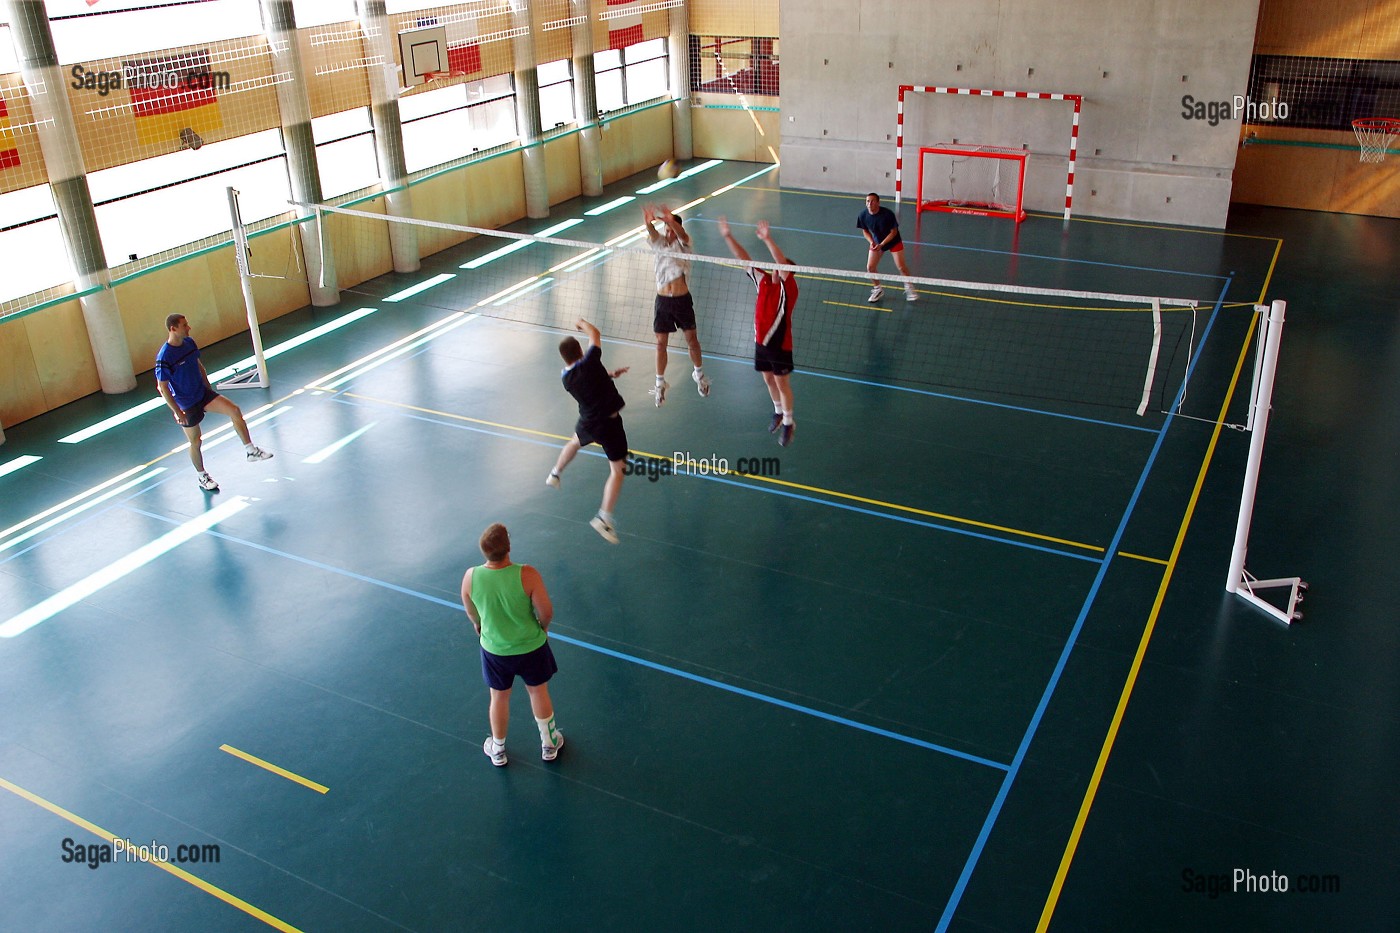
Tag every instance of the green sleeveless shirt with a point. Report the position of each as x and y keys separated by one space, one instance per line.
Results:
x=508 y=624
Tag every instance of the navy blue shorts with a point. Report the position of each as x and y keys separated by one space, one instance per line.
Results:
x=195 y=415
x=770 y=360
x=533 y=667
x=673 y=312
x=608 y=434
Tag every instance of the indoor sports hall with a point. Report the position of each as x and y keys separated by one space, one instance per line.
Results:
x=1003 y=638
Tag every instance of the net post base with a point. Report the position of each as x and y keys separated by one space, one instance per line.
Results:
x=1248 y=589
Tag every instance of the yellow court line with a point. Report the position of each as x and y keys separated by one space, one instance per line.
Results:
x=1268 y=276
x=1002 y=529
x=269 y=766
x=1092 y=791
x=1143 y=557
x=178 y=872
x=848 y=304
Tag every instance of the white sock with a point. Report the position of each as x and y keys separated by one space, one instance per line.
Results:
x=787 y=417
x=549 y=732
x=250 y=447
x=660 y=379
x=777 y=408
x=605 y=516
x=497 y=744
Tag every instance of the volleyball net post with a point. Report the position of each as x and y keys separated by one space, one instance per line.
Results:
x=257 y=377
x=1240 y=581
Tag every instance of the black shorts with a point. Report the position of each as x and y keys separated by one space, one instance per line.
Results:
x=195 y=415
x=768 y=360
x=607 y=434
x=673 y=312
x=533 y=667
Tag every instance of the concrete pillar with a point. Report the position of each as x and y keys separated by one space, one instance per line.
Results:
x=678 y=51
x=280 y=27
x=527 y=110
x=590 y=143
x=58 y=138
x=388 y=131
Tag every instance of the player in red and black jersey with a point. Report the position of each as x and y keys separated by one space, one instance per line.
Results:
x=772 y=319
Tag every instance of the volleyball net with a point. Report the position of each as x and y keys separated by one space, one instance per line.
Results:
x=1007 y=343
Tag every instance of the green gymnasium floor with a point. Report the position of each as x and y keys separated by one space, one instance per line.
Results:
x=869 y=693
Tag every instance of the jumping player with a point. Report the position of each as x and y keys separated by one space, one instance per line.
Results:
x=881 y=229
x=674 y=308
x=772 y=319
x=599 y=419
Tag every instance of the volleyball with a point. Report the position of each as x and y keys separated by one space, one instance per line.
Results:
x=668 y=169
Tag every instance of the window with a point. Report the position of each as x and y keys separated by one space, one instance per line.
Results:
x=116 y=28
x=556 y=94
x=631 y=75
x=31 y=243
x=345 y=151
x=730 y=65
x=141 y=211
x=455 y=121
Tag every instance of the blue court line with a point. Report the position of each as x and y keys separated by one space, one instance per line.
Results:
x=622 y=656
x=997 y=252
x=951 y=908
x=753 y=487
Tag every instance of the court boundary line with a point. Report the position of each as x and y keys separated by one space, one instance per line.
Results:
x=620 y=655
x=989 y=823
x=1120 y=711
x=970 y=522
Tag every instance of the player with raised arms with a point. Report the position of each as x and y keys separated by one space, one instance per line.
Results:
x=772 y=320
x=599 y=419
x=674 y=309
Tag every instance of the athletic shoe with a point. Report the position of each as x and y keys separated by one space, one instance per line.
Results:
x=910 y=294
x=776 y=423
x=551 y=752
x=207 y=483
x=876 y=294
x=552 y=480
x=498 y=758
x=702 y=383
x=658 y=392
x=785 y=435
x=604 y=528
x=257 y=453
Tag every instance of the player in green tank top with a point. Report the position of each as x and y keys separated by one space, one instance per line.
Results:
x=510 y=609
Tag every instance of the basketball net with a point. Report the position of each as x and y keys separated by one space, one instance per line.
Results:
x=1375 y=135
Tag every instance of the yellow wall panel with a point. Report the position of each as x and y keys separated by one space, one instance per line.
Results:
x=745 y=135
x=730 y=18
x=332 y=61
x=562 y=168
x=62 y=355
x=636 y=141
x=21 y=394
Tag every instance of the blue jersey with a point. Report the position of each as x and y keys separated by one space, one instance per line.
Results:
x=179 y=366
x=879 y=225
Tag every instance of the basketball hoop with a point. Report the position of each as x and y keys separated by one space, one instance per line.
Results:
x=1375 y=135
x=443 y=75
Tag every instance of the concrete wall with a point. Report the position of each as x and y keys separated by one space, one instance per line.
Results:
x=1133 y=60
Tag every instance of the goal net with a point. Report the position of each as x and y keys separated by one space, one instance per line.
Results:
x=969 y=179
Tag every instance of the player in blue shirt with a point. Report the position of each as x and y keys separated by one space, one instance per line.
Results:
x=881 y=229
x=184 y=385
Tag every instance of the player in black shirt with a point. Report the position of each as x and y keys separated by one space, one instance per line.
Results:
x=599 y=418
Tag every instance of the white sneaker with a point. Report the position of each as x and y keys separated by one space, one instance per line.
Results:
x=658 y=392
x=552 y=480
x=910 y=294
x=702 y=383
x=257 y=453
x=551 y=752
x=497 y=756
x=604 y=528
x=207 y=483
x=876 y=294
